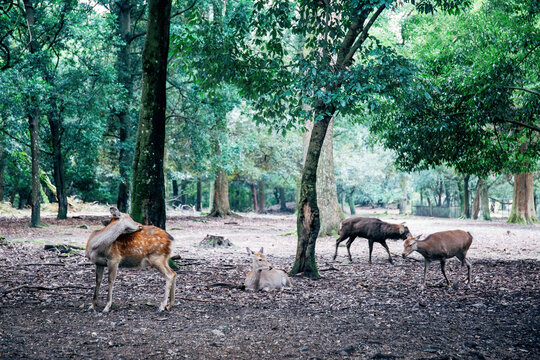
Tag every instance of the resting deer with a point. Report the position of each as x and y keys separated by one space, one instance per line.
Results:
x=441 y=246
x=126 y=243
x=263 y=276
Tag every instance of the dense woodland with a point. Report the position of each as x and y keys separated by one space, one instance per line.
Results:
x=248 y=105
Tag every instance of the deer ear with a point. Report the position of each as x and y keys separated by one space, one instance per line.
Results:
x=401 y=229
x=261 y=251
x=249 y=251
x=115 y=212
x=418 y=237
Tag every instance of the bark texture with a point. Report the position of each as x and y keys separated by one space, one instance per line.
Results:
x=308 y=221
x=58 y=163
x=221 y=206
x=465 y=206
x=327 y=199
x=261 y=197
x=148 y=195
x=126 y=78
x=523 y=211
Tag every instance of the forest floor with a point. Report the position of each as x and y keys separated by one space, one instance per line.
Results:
x=355 y=311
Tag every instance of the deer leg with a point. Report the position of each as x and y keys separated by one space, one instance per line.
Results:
x=383 y=243
x=99 y=277
x=468 y=263
x=370 y=250
x=426 y=264
x=338 y=241
x=170 y=282
x=443 y=263
x=113 y=268
x=349 y=243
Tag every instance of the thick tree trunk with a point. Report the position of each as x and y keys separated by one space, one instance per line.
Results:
x=254 y=196
x=484 y=202
x=476 y=201
x=198 y=202
x=148 y=194
x=327 y=200
x=183 y=192
x=58 y=164
x=221 y=206
x=261 y=196
x=282 y=200
x=523 y=210
x=308 y=221
x=126 y=78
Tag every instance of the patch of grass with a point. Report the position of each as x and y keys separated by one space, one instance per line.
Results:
x=289 y=233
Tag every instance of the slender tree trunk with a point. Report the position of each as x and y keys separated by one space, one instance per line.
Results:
x=476 y=202
x=58 y=164
x=148 y=195
x=352 y=207
x=254 y=196
x=183 y=192
x=523 y=210
x=175 y=193
x=33 y=119
x=465 y=207
x=198 y=201
x=282 y=199
x=2 y=167
x=14 y=192
x=261 y=196
x=403 y=203
x=126 y=78
x=330 y=210
x=308 y=221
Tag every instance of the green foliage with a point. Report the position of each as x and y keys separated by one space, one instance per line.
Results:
x=468 y=104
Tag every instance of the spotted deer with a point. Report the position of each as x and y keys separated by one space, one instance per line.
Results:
x=441 y=246
x=126 y=243
x=262 y=276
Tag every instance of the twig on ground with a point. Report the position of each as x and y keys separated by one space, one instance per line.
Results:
x=44 y=288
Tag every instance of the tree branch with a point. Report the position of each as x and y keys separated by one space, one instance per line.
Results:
x=532 y=127
x=133 y=37
x=523 y=89
x=22 y=142
x=186 y=9
x=363 y=36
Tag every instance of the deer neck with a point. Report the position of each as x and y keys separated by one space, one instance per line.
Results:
x=103 y=239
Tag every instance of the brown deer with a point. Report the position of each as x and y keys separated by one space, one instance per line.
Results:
x=262 y=276
x=126 y=243
x=372 y=229
x=441 y=246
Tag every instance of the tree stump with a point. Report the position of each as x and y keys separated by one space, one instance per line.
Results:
x=213 y=241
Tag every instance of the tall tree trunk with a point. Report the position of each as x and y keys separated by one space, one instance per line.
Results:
x=183 y=192
x=484 y=202
x=308 y=221
x=254 y=196
x=261 y=196
x=523 y=210
x=403 y=203
x=465 y=206
x=2 y=167
x=175 y=202
x=352 y=207
x=126 y=78
x=148 y=194
x=33 y=119
x=282 y=199
x=198 y=201
x=221 y=206
x=327 y=200
x=476 y=201
x=58 y=163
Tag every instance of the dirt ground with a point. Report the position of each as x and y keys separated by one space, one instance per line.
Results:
x=354 y=311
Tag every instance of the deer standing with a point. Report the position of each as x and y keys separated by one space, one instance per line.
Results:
x=263 y=276
x=441 y=246
x=126 y=243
